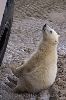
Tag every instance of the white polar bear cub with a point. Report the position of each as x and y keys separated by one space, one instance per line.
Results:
x=39 y=72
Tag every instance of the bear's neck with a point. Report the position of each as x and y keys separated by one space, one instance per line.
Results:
x=48 y=53
x=47 y=46
x=48 y=49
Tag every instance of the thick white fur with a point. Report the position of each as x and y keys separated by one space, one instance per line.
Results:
x=39 y=72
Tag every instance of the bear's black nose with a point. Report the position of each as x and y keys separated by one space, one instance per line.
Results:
x=44 y=27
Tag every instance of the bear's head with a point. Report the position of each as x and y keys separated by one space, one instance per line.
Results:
x=50 y=35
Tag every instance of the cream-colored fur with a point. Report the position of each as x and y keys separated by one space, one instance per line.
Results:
x=39 y=72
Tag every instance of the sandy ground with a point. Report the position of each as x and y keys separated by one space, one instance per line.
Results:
x=29 y=17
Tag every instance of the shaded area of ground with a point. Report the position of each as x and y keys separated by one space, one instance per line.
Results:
x=29 y=17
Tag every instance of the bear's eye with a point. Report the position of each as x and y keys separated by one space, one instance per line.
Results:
x=51 y=32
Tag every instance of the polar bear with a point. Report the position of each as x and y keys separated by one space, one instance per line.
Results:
x=39 y=72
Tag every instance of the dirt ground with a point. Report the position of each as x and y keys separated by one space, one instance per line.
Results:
x=29 y=17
